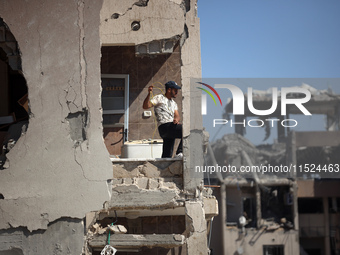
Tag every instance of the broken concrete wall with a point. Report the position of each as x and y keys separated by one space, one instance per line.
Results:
x=156 y=169
x=196 y=227
x=154 y=195
x=157 y=19
x=252 y=241
x=231 y=240
x=60 y=166
x=64 y=236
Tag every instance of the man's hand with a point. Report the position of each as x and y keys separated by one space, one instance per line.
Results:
x=147 y=104
x=176 y=117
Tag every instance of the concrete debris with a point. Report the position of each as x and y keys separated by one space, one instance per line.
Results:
x=148 y=169
x=153 y=184
x=117 y=229
x=164 y=46
x=273 y=226
x=97 y=229
x=179 y=238
x=232 y=148
x=176 y=168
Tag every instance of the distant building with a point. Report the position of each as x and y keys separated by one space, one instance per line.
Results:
x=278 y=212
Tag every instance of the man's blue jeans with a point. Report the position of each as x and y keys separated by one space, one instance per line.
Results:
x=169 y=132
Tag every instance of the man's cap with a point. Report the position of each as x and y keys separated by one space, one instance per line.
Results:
x=172 y=84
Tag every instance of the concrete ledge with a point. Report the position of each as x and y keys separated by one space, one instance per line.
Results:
x=128 y=168
x=117 y=160
x=137 y=241
x=130 y=196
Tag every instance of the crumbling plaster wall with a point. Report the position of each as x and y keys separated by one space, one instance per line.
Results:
x=159 y=19
x=59 y=168
x=191 y=68
x=62 y=237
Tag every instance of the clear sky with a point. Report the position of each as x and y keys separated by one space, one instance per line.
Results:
x=270 y=39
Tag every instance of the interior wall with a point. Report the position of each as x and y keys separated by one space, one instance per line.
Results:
x=143 y=72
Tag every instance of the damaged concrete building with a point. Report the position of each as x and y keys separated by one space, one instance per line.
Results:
x=280 y=212
x=79 y=164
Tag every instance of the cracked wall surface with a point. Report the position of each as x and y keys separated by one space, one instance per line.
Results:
x=158 y=20
x=60 y=166
x=62 y=237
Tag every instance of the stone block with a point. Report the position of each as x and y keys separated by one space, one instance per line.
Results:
x=128 y=181
x=153 y=184
x=142 y=182
x=168 y=185
x=176 y=168
x=117 y=229
x=115 y=182
x=150 y=170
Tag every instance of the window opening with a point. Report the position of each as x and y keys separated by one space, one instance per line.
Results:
x=273 y=250
x=310 y=205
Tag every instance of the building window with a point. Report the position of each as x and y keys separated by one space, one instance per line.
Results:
x=310 y=205
x=273 y=250
x=115 y=104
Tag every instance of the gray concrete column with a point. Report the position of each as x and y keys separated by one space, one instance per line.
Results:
x=196 y=226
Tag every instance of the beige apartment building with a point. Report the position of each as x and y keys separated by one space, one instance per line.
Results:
x=79 y=164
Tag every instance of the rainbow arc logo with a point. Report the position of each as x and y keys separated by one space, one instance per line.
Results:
x=204 y=96
x=209 y=93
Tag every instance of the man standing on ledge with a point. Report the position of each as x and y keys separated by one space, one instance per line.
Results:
x=167 y=115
